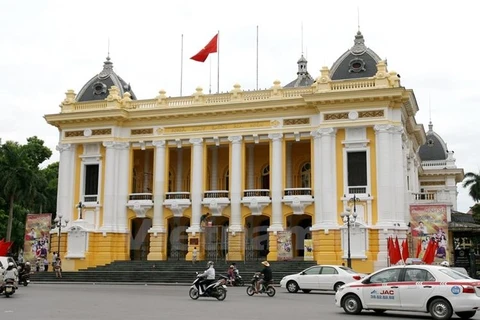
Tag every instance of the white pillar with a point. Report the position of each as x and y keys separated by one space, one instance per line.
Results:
x=288 y=165
x=316 y=160
x=214 y=171
x=235 y=183
x=179 y=174
x=384 y=178
x=276 y=176
x=66 y=177
x=110 y=183
x=159 y=186
x=121 y=194
x=251 y=167
x=196 y=183
x=399 y=175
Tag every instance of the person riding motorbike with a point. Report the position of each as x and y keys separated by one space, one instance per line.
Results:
x=267 y=276
x=11 y=273
x=208 y=277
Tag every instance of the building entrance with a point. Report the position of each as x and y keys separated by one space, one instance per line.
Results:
x=177 y=241
x=140 y=239
x=256 y=237
x=299 y=226
x=216 y=238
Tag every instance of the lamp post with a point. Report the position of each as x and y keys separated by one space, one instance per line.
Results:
x=348 y=219
x=59 y=224
x=80 y=207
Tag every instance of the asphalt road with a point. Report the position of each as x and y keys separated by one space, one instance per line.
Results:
x=92 y=302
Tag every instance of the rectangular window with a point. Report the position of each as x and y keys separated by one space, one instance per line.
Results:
x=357 y=168
x=91 y=179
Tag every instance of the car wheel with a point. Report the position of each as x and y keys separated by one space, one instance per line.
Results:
x=440 y=309
x=337 y=286
x=351 y=304
x=465 y=314
x=379 y=311
x=292 y=286
x=306 y=290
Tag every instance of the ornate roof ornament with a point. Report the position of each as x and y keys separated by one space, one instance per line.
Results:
x=107 y=69
x=359 y=44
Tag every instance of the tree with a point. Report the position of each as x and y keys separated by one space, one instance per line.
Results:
x=472 y=181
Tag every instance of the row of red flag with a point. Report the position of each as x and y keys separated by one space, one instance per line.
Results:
x=398 y=253
x=4 y=247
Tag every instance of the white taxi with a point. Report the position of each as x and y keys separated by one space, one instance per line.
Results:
x=423 y=288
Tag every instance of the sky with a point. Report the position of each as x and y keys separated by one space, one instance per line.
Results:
x=48 y=47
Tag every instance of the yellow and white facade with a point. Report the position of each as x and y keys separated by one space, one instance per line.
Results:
x=259 y=162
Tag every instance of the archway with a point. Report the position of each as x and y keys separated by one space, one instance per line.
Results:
x=299 y=225
x=256 y=237
x=177 y=241
x=140 y=239
x=216 y=238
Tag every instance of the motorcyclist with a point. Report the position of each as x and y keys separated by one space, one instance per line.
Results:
x=266 y=276
x=28 y=268
x=445 y=264
x=11 y=273
x=208 y=277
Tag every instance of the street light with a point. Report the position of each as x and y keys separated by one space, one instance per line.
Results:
x=348 y=219
x=59 y=224
x=80 y=207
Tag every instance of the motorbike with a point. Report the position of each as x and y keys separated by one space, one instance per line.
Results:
x=238 y=281
x=24 y=279
x=9 y=287
x=216 y=289
x=265 y=288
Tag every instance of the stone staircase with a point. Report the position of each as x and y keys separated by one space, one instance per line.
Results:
x=171 y=272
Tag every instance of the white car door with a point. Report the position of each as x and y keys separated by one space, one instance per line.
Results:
x=308 y=279
x=416 y=289
x=382 y=290
x=327 y=278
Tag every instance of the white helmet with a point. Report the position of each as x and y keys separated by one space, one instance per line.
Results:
x=445 y=264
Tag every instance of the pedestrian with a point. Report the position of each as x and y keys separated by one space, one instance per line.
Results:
x=37 y=265
x=194 y=255
x=58 y=268
x=45 y=264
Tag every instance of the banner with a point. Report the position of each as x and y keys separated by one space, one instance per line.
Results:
x=429 y=224
x=284 y=245
x=37 y=238
x=308 y=250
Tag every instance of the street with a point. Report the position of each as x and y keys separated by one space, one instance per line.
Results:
x=82 y=301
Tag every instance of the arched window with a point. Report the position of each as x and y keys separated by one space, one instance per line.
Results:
x=226 y=180
x=305 y=174
x=266 y=177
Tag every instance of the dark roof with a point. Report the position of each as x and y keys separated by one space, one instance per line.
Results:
x=462 y=217
x=435 y=148
x=97 y=87
x=357 y=62
x=304 y=79
x=463 y=222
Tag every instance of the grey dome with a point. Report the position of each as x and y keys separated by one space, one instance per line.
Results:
x=97 y=87
x=304 y=79
x=357 y=62
x=435 y=148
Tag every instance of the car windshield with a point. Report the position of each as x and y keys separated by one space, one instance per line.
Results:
x=348 y=270
x=454 y=274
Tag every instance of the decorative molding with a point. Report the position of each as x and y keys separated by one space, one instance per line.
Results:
x=371 y=114
x=235 y=139
x=256 y=204
x=87 y=132
x=116 y=145
x=216 y=205
x=159 y=143
x=196 y=141
x=275 y=123
x=134 y=132
x=140 y=207
x=323 y=132
x=335 y=116
x=71 y=134
x=353 y=115
x=101 y=132
x=64 y=147
x=160 y=131
x=296 y=121
x=298 y=203
x=382 y=128
x=275 y=136
x=432 y=183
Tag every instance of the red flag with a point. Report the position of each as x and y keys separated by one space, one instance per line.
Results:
x=4 y=247
x=419 y=247
x=405 y=253
x=397 y=256
x=390 y=248
x=429 y=255
x=211 y=47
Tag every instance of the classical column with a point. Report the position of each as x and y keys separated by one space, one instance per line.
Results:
x=159 y=186
x=276 y=176
x=66 y=177
x=384 y=174
x=288 y=164
x=121 y=194
x=398 y=174
x=109 y=191
x=236 y=183
x=251 y=167
x=196 y=184
x=179 y=173
x=214 y=172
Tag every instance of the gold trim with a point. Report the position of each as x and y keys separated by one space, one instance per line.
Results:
x=335 y=116
x=371 y=114
x=134 y=132
x=293 y=122
x=71 y=134
x=101 y=132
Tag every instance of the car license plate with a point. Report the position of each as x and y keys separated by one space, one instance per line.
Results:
x=8 y=289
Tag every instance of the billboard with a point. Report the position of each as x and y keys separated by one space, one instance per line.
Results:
x=284 y=245
x=37 y=237
x=429 y=223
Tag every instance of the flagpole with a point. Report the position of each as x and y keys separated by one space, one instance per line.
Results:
x=218 y=61
x=257 y=60
x=210 y=77
x=181 y=66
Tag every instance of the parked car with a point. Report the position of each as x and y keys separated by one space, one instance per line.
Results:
x=461 y=270
x=321 y=277
x=437 y=290
x=5 y=260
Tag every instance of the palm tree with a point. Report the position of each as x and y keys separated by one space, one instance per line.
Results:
x=17 y=178
x=472 y=180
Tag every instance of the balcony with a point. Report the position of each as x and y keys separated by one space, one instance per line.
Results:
x=298 y=199
x=90 y=198
x=430 y=197
x=216 y=201
x=256 y=200
x=140 y=203
x=177 y=202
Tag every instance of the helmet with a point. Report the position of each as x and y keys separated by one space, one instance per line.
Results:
x=27 y=263
x=10 y=264
x=209 y=263
x=445 y=264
